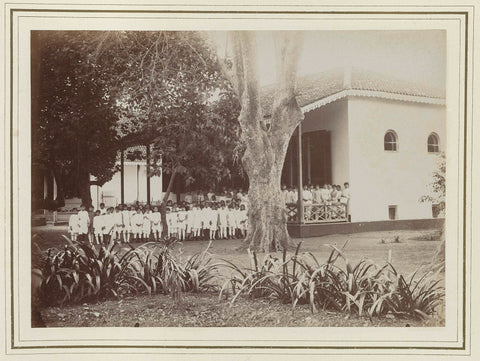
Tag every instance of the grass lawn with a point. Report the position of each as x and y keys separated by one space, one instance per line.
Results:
x=415 y=248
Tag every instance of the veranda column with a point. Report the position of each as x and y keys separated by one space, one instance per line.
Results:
x=300 y=176
x=148 y=174
x=122 y=176
x=290 y=158
x=309 y=166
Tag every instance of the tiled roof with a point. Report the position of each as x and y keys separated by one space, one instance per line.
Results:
x=311 y=88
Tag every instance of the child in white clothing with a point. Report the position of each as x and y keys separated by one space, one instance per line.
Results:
x=213 y=221
x=83 y=223
x=109 y=223
x=146 y=225
x=205 y=217
x=98 y=227
x=181 y=223
x=126 y=212
x=156 y=219
x=118 y=226
x=232 y=221
x=195 y=222
x=243 y=220
x=136 y=222
x=73 y=226
x=222 y=220
x=172 y=223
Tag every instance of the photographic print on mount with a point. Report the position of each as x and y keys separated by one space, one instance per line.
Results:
x=230 y=181
x=176 y=173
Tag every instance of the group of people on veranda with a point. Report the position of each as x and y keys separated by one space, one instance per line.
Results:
x=314 y=194
x=327 y=203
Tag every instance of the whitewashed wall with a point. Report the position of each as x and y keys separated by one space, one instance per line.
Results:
x=135 y=186
x=380 y=178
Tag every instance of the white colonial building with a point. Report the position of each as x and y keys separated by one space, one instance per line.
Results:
x=382 y=135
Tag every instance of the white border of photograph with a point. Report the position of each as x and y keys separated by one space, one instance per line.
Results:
x=368 y=340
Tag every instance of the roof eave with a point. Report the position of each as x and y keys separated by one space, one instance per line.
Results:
x=372 y=94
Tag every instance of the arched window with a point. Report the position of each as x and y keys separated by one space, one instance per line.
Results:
x=433 y=143
x=390 y=141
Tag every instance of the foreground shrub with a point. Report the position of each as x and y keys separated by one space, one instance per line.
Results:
x=82 y=273
x=364 y=288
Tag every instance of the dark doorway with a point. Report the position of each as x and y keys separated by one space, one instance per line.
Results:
x=317 y=165
x=316 y=159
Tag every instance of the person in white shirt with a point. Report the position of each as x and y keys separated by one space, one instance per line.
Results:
x=325 y=194
x=295 y=195
x=200 y=197
x=98 y=227
x=73 y=226
x=83 y=222
x=210 y=195
x=181 y=223
x=307 y=201
x=205 y=217
x=213 y=222
x=317 y=195
x=346 y=191
x=102 y=209
x=307 y=195
x=136 y=222
x=285 y=193
x=127 y=228
x=196 y=221
x=222 y=221
x=289 y=196
x=188 y=198
x=345 y=199
x=334 y=194
x=156 y=219
x=232 y=221
x=172 y=222
x=243 y=220
x=108 y=222
x=188 y=222
x=146 y=224
x=118 y=224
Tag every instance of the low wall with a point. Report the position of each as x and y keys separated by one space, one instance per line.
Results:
x=317 y=230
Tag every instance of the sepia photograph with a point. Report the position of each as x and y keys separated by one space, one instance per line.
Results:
x=184 y=178
x=239 y=181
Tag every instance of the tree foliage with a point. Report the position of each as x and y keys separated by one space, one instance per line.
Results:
x=171 y=94
x=437 y=186
x=73 y=118
x=99 y=92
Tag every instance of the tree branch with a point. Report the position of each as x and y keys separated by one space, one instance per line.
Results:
x=290 y=44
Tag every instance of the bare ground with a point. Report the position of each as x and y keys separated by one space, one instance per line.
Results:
x=206 y=310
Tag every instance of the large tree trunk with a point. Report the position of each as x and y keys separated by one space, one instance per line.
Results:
x=84 y=189
x=266 y=215
x=266 y=140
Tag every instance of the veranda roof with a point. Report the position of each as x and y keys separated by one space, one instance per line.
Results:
x=319 y=89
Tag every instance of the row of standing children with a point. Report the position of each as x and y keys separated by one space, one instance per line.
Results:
x=209 y=220
x=124 y=223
